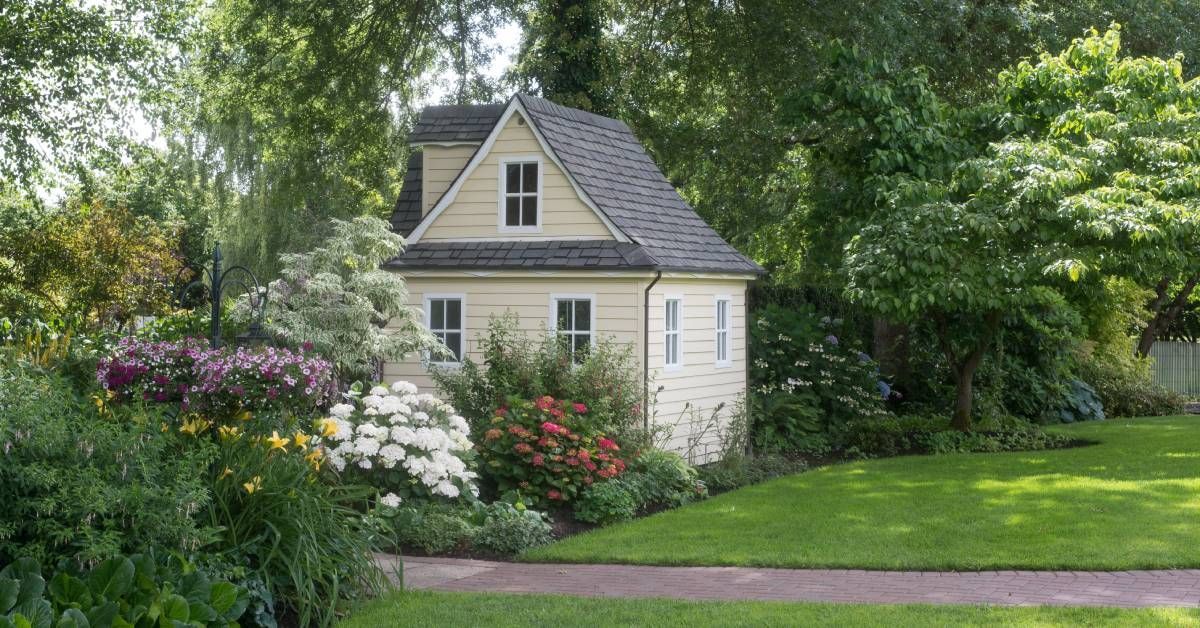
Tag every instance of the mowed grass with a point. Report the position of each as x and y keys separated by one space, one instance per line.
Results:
x=1130 y=502
x=423 y=608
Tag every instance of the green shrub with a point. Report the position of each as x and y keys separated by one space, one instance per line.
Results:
x=1081 y=404
x=84 y=487
x=433 y=528
x=510 y=530
x=607 y=381
x=121 y=591
x=665 y=478
x=608 y=502
x=809 y=380
x=915 y=434
x=738 y=470
x=1125 y=384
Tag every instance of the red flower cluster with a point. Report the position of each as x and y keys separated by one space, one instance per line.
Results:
x=548 y=450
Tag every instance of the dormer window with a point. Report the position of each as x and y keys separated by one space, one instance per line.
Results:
x=521 y=194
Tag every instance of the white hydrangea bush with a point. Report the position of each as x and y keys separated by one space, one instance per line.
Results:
x=406 y=444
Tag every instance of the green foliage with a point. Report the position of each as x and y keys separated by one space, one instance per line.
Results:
x=432 y=527
x=1126 y=386
x=82 y=486
x=304 y=537
x=607 y=502
x=607 y=381
x=808 y=382
x=915 y=434
x=140 y=590
x=510 y=530
x=1081 y=404
x=565 y=53
x=664 y=478
x=738 y=470
x=337 y=297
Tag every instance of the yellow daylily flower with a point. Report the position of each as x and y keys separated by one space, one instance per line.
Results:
x=329 y=427
x=226 y=473
x=301 y=440
x=276 y=442
x=244 y=415
x=315 y=458
x=227 y=432
x=194 y=426
x=253 y=485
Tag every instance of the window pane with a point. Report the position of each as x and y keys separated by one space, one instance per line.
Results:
x=512 y=211
x=582 y=343
x=583 y=315
x=529 y=211
x=454 y=342
x=453 y=314
x=437 y=314
x=529 y=180
x=564 y=315
x=672 y=349
x=513 y=178
x=722 y=344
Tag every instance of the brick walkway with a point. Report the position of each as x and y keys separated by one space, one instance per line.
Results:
x=1059 y=588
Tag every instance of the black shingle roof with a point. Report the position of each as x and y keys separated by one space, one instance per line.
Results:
x=407 y=213
x=544 y=254
x=455 y=123
x=612 y=168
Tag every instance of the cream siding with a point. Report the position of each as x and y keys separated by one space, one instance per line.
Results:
x=439 y=166
x=475 y=212
x=688 y=395
x=617 y=310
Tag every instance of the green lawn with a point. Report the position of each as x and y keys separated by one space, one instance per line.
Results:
x=420 y=608
x=1131 y=502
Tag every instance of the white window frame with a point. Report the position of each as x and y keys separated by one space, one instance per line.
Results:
x=462 y=306
x=553 y=315
x=502 y=194
x=727 y=302
x=677 y=333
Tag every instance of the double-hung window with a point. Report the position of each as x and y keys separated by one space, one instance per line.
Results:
x=672 y=319
x=520 y=194
x=722 y=327
x=446 y=319
x=572 y=317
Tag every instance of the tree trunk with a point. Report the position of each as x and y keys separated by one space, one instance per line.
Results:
x=1163 y=317
x=964 y=396
x=964 y=369
x=890 y=350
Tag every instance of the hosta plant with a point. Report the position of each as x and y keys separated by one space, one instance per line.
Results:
x=405 y=444
x=547 y=451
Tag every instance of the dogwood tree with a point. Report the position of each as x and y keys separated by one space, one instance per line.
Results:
x=1099 y=175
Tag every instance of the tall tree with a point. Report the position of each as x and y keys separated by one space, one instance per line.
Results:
x=565 y=53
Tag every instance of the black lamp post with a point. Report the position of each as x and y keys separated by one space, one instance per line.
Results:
x=218 y=280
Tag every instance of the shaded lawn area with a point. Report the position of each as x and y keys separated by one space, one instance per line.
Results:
x=425 y=608
x=1130 y=502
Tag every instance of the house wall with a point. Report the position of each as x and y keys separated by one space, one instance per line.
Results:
x=688 y=396
x=440 y=164
x=617 y=303
x=475 y=212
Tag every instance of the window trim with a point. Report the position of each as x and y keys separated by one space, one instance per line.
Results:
x=678 y=333
x=567 y=296
x=502 y=193
x=462 y=305
x=728 y=302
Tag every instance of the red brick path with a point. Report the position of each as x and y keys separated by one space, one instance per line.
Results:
x=1062 y=588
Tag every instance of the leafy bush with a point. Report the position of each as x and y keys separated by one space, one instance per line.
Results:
x=123 y=591
x=738 y=470
x=220 y=382
x=547 y=450
x=510 y=530
x=916 y=434
x=1081 y=404
x=1125 y=385
x=304 y=537
x=608 y=502
x=665 y=478
x=433 y=528
x=406 y=444
x=808 y=382
x=607 y=381
x=84 y=487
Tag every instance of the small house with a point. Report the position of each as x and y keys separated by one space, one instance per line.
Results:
x=560 y=217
